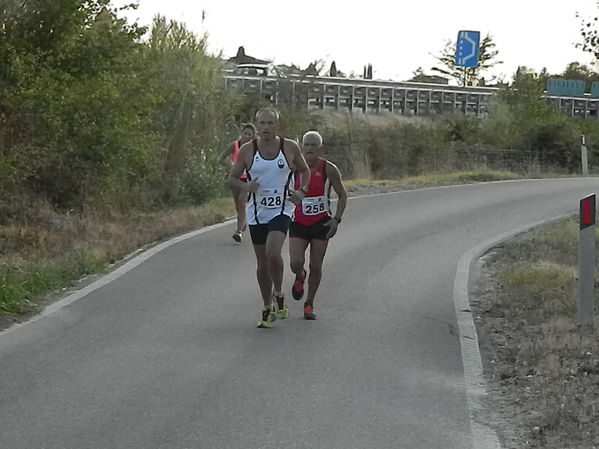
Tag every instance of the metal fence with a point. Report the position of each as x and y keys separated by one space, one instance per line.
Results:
x=375 y=96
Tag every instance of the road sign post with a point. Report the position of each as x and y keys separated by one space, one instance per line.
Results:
x=584 y=160
x=586 y=262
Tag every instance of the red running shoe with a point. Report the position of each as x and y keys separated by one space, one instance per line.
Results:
x=298 y=287
x=309 y=312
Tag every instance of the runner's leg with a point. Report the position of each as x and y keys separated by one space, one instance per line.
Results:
x=318 y=249
x=240 y=196
x=297 y=255
x=274 y=246
x=263 y=275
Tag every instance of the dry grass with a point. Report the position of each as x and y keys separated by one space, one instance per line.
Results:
x=355 y=185
x=37 y=259
x=543 y=370
x=463 y=177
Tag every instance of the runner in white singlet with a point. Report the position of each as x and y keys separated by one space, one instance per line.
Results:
x=269 y=162
x=272 y=197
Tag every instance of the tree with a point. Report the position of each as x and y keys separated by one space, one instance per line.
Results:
x=312 y=70
x=191 y=109
x=417 y=74
x=487 y=59
x=589 y=30
x=580 y=72
x=92 y=115
x=72 y=92
x=528 y=80
x=333 y=69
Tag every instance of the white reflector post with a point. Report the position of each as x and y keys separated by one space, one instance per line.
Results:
x=584 y=159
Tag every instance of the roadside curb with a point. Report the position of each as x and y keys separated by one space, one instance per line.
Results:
x=483 y=435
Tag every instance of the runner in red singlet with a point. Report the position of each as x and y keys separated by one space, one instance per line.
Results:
x=248 y=132
x=313 y=224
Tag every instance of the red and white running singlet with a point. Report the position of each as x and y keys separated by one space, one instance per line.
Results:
x=317 y=203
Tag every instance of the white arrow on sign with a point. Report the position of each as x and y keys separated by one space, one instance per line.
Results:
x=466 y=36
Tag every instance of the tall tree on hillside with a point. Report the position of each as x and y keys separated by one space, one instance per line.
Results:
x=487 y=59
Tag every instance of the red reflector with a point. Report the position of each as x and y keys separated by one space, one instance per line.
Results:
x=587 y=212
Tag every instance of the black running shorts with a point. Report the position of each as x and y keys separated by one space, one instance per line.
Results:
x=260 y=232
x=317 y=231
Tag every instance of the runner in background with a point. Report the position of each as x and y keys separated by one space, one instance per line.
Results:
x=248 y=132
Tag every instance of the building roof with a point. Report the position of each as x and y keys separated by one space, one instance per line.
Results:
x=242 y=58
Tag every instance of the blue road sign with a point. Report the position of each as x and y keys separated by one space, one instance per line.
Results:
x=467 y=50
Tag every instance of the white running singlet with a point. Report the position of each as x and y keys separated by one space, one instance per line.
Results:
x=272 y=197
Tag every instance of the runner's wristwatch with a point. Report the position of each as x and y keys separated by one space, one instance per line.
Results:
x=337 y=219
x=303 y=189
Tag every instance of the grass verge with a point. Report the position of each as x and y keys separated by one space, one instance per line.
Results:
x=542 y=370
x=463 y=177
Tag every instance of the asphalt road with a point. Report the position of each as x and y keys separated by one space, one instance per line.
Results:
x=167 y=354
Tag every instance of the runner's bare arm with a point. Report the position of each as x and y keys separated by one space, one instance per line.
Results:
x=299 y=164
x=227 y=154
x=237 y=169
x=334 y=176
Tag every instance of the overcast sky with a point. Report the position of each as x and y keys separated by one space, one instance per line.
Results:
x=395 y=36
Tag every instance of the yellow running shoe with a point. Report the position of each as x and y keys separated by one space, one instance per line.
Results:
x=268 y=317
x=282 y=310
x=282 y=313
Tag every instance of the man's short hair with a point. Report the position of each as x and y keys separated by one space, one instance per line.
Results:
x=268 y=109
x=314 y=134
